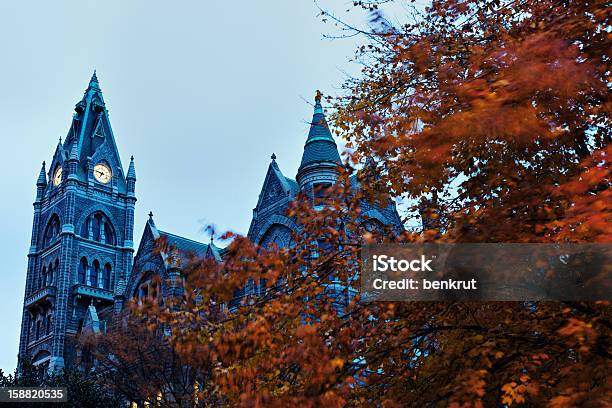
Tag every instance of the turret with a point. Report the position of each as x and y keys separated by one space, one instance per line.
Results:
x=41 y=183
x=320 y=159
x=131 y=178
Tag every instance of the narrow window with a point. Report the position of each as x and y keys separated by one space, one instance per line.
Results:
x=109 y=233
x=93 y=273
x=55 y=272
x=82 y=270
x=97 y=227
x=48 y=324
x=106 y=276
x=42 y=279
x=85 y=228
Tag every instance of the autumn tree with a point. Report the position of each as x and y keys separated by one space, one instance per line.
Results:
x=494 y=117
x=83 y=390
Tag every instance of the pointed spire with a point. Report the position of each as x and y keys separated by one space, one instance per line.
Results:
x=93 y=82
x=59 y=146
x=131 y=174
x=319 y=129
x=42 y=177
x=320 y=145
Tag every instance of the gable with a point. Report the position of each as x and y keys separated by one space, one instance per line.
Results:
x=276 y=187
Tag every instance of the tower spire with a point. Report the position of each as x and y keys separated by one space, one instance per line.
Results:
x=42 y=177
x=320 y=150
x=131 y=174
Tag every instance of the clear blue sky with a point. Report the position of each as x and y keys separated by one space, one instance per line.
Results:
x=201 y=93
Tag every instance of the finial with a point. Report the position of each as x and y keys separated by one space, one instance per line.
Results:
x=132 y=158
x=273 y=157
x=150 y=215
x=318 y=108
x=212 y=239
x=60 y=140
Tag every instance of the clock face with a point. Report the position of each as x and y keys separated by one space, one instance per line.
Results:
x=57 y=176
x=102 y=173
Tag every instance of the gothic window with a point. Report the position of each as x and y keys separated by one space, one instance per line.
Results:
x=94 y=271
x=149 y=288
x=98 y=228
x=48 y=324
x=52 y=231
x=106 y=274
x=277 y=234
x=37 y=329
x=82 y=270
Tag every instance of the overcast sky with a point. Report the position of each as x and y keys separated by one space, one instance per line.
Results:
x=201 y=93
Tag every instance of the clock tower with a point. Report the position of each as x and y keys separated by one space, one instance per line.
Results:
x=82 y=237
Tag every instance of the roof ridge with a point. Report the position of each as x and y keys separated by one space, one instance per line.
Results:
x=178 y=236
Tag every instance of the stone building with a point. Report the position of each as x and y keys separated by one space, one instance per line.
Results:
x=81 y=263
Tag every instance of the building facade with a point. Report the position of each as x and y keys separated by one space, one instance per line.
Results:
x=81 y=264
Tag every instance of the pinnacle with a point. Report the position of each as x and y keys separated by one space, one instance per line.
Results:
x=42 y=177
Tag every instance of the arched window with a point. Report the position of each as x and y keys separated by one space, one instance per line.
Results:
x=82 y=270
x=149 y=288
x=93 y=273
x=97 y=227
x=37 y=329
x=52 y=231
x=49 y=319
x=106 y=275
